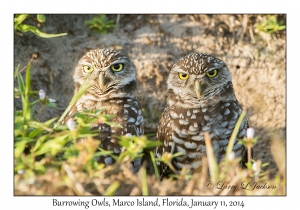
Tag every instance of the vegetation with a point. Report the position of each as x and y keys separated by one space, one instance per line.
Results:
x=270 y=25
x=19 y=26
x=100 y=24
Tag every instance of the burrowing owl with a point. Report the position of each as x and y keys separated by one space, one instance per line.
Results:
x=200 y=99
x=113 y=86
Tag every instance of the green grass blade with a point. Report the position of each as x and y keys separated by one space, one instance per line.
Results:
x=21 y=84
x=112 y=188
x=234 y=133
x=26 y=28
x=144 y=182
x=18 y=125
x=39 y=125
x=26 y=109
x=84 y=87
x=81 y=91
x=34 y=133
x=212 y=163
x=19 y=148
x=25 y=101
x=17 y=71
x=40 y=141
x=155 y=166
x=49 y=122
x=19 y=19
x=27 y=88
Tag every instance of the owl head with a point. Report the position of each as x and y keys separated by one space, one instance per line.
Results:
x=108 y=72
x=200 y=78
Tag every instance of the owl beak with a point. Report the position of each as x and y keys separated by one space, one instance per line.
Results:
x=197 y=89
x=101 y=80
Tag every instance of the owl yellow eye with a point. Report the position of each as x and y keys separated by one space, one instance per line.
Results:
x=88 y=69
x=117 y=67
x=183 y=76
x=212 y=73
